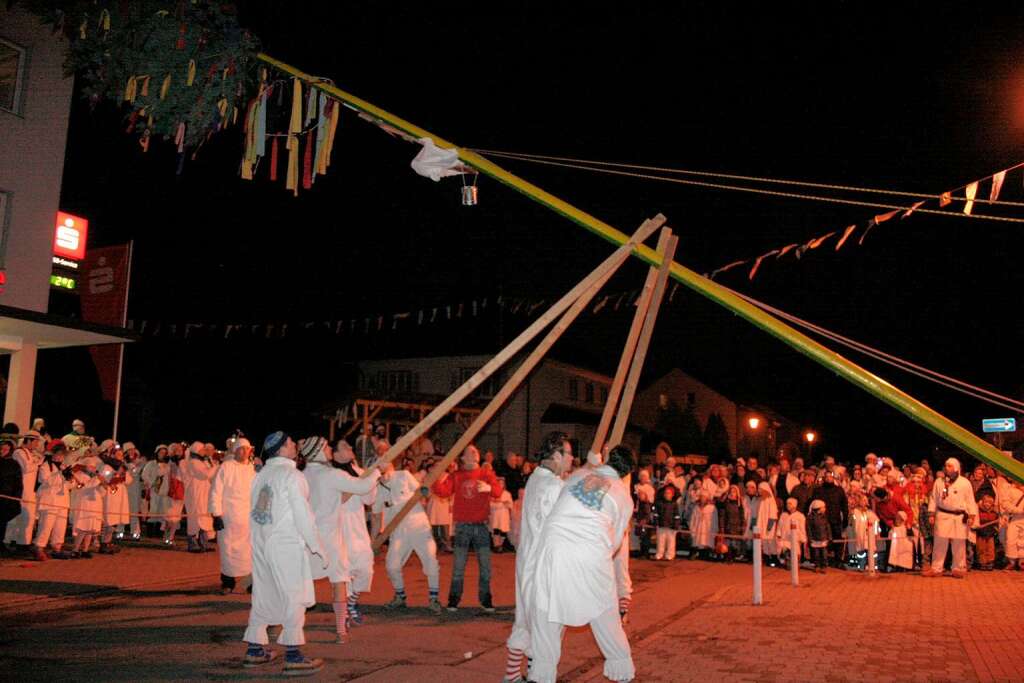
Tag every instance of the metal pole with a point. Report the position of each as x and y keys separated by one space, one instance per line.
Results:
x=120 y=347
x=874 y=385
x=872 y=545
x=758 y=597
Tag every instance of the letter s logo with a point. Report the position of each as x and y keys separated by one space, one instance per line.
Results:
x=68 y=238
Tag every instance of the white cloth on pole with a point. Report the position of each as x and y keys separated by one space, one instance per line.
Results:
x=434 y=162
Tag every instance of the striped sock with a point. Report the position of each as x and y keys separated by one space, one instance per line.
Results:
x=353 y=605
x=292 y=653
x=433 y=594
x=514 y=665
x=339 y=620
x=400 y=593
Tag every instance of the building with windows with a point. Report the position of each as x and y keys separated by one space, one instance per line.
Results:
x=35 y=102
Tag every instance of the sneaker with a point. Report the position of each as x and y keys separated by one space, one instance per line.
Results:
x=928 y=573
x=487 y=606
x=303 y=667
x=136 y=537
x=355 y=618
x=435 y=605
x=959 y=574
x=453 y=607
x=259 y=660
x=397 y=602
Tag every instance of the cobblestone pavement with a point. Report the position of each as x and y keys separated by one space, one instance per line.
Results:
x=151 y=614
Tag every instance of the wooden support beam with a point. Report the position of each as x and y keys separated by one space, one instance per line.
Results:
x=602 y=272
x=506 y=391
x=643 y=304
x=640 y=354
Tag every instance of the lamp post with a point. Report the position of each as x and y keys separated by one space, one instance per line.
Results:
x=810 y=437
x=754 y=422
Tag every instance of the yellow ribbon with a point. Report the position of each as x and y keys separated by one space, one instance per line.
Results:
x=105 y=20
x=129 y=90
x=191 y=72
x=294 y=127
x=165 y=87
x=145 y=86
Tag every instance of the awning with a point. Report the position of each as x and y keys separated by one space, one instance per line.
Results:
x=18 y=326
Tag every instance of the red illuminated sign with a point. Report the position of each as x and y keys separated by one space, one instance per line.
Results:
x=69 y=236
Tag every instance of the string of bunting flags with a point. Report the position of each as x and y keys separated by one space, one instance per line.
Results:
x=841 y=237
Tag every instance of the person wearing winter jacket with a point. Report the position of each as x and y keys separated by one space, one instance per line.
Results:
x=819 y=534
x=666 y=512
x=838 y=510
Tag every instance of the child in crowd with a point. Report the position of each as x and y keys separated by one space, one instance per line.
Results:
x=863 y=525
x=667 y=513
x=703 y=526
x=986 y=530
x=901 y=548
x=501 y=518
x=644 y=494
x=1013 y=506
x=789 y=519
x=820 y=535
x=732 y=522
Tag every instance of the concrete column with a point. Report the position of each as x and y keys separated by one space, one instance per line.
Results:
x=20 y=384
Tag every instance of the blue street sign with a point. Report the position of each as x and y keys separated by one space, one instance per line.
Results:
x=999 y=424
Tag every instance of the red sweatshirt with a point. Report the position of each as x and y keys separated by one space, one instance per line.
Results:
x=469 y=504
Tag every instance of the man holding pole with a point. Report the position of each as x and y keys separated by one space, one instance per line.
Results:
x=471 y=489
x=574 y=580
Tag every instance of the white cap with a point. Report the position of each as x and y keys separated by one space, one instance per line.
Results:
x=955 y=463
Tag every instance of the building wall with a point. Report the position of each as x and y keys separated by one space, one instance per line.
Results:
x=32 y=160
x=678 y=386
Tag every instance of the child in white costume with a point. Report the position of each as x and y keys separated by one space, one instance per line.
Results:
x=1013 y=508
x=790 y=518
x=901 y=549
x=703 y=523
x=500 y=519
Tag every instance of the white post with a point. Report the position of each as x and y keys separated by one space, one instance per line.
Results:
x=758 y=598
x=120 y=347
x=794 y=555
x=872 y=545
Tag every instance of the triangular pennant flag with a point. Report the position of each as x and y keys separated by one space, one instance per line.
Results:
x=997 y=185
x=970 y=191
x=817 y=242
x=757 y=263
x=786 y=249
x=945 y=198
x=885 y=216
x=728 y=267
x=846 y=236
x=912 y=209
x=871 y=224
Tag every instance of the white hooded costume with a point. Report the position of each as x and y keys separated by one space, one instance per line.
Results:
x=1013 y=508
x=356 y=538
x=19 y=529
x=230 y=499
x=282 y=528
x=574 y=579
x=764 y=515
x=948 y=503
x=153 y=474
x=326 y=484
x=198 y=475
x=541 y=492
x=703 y=523
x=785 y=528
x=89 y=501
x=413 y=534
x=53 y=499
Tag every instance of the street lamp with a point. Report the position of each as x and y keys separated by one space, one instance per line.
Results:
x=754 y=422
x=810 y=437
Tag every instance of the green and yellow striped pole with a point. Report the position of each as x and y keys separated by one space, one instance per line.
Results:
x=874 y=385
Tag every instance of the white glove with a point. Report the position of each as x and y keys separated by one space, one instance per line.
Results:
x=483 y=487
x=594 y=459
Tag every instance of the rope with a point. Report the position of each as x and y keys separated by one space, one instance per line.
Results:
x=771 y=193
x=130 y=514
x=757 y=179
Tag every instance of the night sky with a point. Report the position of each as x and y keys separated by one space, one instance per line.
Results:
x=918 y=98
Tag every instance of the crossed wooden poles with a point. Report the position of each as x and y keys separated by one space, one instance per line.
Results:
x=564 y=311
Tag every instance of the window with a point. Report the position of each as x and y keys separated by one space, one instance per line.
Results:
x=398 y=381
x=486 y=389
x=604 y=395
x=574 y=390
x=12 y=76
x=588 y=392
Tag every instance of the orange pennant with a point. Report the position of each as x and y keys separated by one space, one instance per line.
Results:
x=815 y=243
x=786 y=249
x=912 y=209
x=945 y=198
x=846 y=236
x=885 y=216
x=997 y=185
x=757 y=263
x=970 y=191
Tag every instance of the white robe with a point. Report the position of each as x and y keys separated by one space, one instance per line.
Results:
x=116 y=511
x=703 y=525
x=137 y=505
x=958 y=496
x=863 y=524
x=198 y=475
x=786 y=521
x=1013 y=506
x=230 y=500
x=574 y=579
x=152 y=478
x=764 y=515
x=412 y=535
x=282 y=528
x=541 y=493
x=357 y=539
x=89 y=501
x=501 y=512
x=19 y=529
x=901 y=548
x=326 y=484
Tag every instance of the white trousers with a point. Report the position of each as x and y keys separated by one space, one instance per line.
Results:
x=53 y=524
x=19 y=529
x=402 y=544
x=666 y=543
x=959 y=553
x=546 y=637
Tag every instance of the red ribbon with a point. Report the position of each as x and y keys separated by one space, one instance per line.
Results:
x=307 y=163
x=273 y=159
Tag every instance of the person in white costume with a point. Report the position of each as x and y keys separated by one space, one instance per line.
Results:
x=355 y=534
x=88 y=503
x=789 y=519
x=138 y=505
x=703 y=524
x=574 y=580
x=115 y=503
x=1013 y=507
x=901 y=550
x=764 y=515
x=282 y=529
x=172 y=487
x=53 y=496
x=152 y=476
x=952 y=511
x=29 y=457
x=553 y=460
x=412 y=535
x=439 y=510
x=500 y=519
x=230 y=502
x=327 y=484
x=198 y=470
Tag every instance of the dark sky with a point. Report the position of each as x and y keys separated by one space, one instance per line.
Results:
x=918 y=97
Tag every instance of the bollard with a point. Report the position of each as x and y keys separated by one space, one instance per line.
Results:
x=872 y=545
x=794 y=555
x=758 y=599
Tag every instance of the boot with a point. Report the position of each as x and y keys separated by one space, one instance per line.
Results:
x=38 y=554
x=193 y=545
